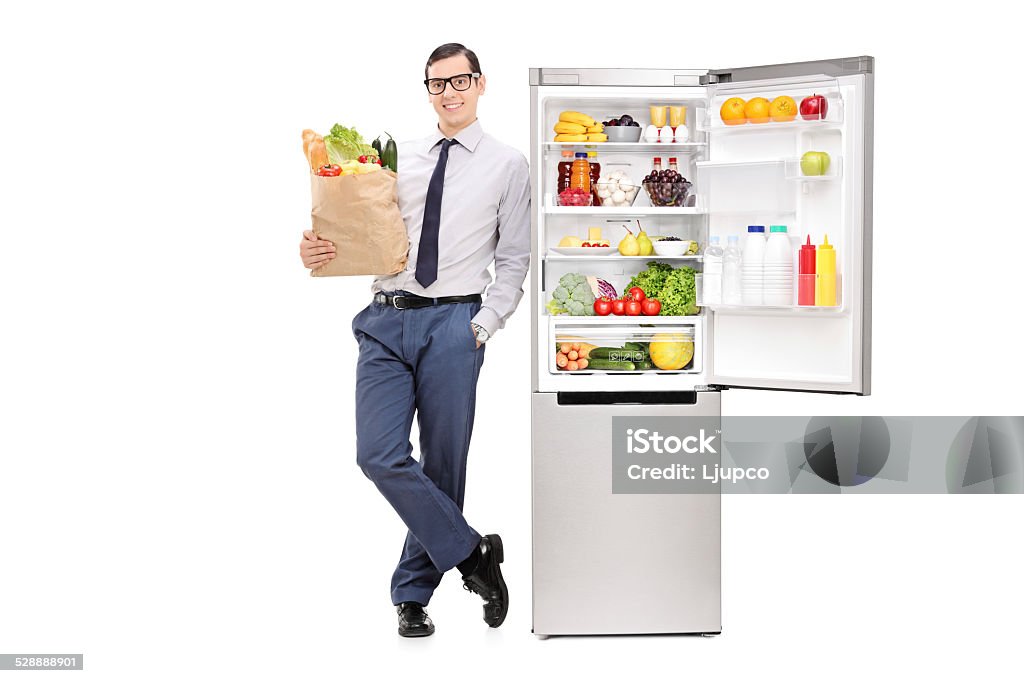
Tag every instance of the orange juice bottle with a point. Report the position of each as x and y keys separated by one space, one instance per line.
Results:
x=580 y=176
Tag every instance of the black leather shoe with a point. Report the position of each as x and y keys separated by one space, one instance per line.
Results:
x=487 y=582
x=413 y=621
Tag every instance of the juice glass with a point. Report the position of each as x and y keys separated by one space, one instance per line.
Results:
x=677 y=116
x=658 y=115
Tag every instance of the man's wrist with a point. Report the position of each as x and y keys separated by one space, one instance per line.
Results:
x=482 y=335
x=488 y=320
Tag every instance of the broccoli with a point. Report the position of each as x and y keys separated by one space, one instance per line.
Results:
x=573 y=295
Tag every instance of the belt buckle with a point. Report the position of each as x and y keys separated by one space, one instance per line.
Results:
x=394 y=302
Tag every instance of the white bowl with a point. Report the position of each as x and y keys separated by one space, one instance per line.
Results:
x=623 y=133
x=672 y=248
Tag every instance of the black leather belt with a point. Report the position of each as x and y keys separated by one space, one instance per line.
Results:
x=403 y=301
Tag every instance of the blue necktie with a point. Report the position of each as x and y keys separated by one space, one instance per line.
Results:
x=426 y=259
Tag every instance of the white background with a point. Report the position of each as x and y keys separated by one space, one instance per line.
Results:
x=178 y=492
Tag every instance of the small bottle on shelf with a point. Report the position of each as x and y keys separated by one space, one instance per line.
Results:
x=595 y=175
x=752 y=266
x=580 y=173
x=825 y=294
x=731 y=282
x=807 y=275
x=564 y=170
x=713 y=254
x=778 y=268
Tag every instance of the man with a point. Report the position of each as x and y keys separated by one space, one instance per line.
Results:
x=465 y=199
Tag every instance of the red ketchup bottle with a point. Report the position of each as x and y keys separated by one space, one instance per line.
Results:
x=806 y=276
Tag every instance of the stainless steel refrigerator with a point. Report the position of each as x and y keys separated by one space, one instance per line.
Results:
x=606 y=563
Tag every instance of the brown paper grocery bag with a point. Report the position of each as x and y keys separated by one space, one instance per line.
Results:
x=360 y=215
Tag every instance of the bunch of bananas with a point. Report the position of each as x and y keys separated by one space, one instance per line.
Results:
x=573 y=126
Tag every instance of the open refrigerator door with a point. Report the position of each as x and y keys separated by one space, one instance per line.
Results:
x=800 y=157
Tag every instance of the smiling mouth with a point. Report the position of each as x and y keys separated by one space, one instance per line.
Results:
x=453 y=107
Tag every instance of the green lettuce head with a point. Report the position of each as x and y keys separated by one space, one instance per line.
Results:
x=344 y=144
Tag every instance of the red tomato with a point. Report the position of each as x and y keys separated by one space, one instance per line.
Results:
x=637 y=293
x=633 y=307
x=603 y=306
x=619 y=307
x=585 y=244
x=651 y=307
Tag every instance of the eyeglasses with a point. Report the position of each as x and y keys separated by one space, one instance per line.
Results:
x=460 y=82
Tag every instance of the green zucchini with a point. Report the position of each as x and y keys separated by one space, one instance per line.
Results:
x=613 y=353
x=390 y=156
x=605 y=364
x=635 y=345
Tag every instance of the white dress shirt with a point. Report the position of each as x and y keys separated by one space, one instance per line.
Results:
x=485 y=218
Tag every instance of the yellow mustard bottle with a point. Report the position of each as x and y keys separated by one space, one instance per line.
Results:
x=825 y=289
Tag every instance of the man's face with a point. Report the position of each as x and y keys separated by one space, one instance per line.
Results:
x=455 y=109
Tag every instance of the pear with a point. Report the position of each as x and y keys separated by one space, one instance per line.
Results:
x=629 y=245
x=643 y=241
x=645 y=244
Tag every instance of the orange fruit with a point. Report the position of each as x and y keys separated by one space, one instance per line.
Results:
x=783 y=108
x=756 y=110
x=732 y=111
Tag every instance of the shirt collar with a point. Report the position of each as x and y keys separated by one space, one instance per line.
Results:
x=469 y=137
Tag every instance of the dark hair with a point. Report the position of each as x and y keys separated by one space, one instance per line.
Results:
x=452 y=50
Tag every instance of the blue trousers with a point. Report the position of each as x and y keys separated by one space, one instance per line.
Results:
x=421 y=361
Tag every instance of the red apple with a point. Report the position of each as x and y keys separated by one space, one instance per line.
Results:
x=813 y=108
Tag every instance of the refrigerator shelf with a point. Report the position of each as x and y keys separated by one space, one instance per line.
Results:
x=718 y=127
x=791 y=167
x=794 y=172
x=618 y=257
x=816 y=310
x=625 y=210
x=738 y=164
x=560 y=322
x=712 y=118
x=627 y=147
x=773 y=308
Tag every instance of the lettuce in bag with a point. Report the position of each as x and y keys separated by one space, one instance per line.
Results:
x=344 y=144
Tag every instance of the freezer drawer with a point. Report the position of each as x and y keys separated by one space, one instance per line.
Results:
x=617 y=564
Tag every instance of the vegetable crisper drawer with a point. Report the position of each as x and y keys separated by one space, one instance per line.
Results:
x=622 y=349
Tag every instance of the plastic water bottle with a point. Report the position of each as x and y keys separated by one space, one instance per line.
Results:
x=752 y=267
x=731 y=295
x=713 y=273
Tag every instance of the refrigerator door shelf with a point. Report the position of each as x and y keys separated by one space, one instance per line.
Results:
x=786 y=309
x=770 y=90
x=607 y=563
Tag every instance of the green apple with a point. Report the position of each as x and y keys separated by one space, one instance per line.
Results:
x=815 y=163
